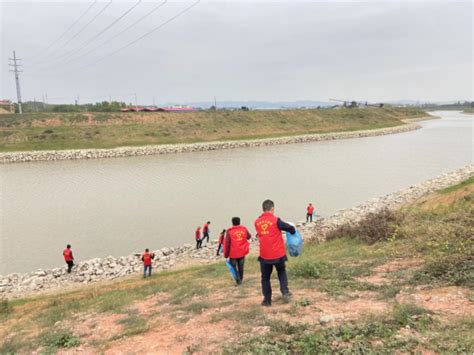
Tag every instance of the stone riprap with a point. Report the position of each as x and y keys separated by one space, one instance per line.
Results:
x=109 y=268
x=321 y=226
x=51 y=155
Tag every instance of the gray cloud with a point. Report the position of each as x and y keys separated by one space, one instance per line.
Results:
x=250 y=51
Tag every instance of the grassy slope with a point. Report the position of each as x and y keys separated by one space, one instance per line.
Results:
x=420 y=304
x=107 y=130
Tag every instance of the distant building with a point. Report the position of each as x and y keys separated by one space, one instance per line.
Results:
x=180 y=108
x=6 y=106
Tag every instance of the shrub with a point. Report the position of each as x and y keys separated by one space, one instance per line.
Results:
x=60 y=339
x=379 y=226
x=410 y=314
x=309 y=269
x=453 y=269
x=5 y=307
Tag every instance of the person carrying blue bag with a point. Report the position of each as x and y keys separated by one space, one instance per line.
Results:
x=272 y=251
x=236 y=247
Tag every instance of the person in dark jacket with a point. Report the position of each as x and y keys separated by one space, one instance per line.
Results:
x=272 y=251
x=236 y=247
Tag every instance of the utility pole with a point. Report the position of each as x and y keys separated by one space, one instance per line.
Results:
x=17 y=72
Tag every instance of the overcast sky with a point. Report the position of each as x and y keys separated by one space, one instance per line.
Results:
x=254 y=50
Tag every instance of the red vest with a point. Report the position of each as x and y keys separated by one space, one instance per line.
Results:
x=67 y=255
x=239 y=245
x=146 y=259
x=221 y=238
x=198 y=234
x=205 y=229
x=310 y=209
x=269 y=237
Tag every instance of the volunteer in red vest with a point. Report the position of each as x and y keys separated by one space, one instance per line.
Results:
x=220 y=244
x=205 y=231
x=147 y=259
x=309 y=213
x=237 y=246
x=272 y=251
x=197 y=235
x=68 y=258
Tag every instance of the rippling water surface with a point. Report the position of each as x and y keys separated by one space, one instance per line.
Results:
x=119 y=206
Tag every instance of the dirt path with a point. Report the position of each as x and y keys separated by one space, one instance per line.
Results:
x=235 y=312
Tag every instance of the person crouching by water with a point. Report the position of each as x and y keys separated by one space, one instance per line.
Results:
x=220 y=244
x=68 y=258
x=272 y=251
x=237 y=246
x=198 y=238
x=147 y=259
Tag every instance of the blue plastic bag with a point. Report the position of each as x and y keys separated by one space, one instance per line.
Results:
x=231 y=269
x=294 y=242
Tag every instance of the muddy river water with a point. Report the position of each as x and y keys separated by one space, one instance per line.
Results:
x=120 y=206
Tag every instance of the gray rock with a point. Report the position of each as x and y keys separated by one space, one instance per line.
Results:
x=328 y=318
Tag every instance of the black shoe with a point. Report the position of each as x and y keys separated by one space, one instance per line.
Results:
x=287 y=296
x=266 y=303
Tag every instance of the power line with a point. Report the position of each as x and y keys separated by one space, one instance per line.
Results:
x=84 y=27
x=118 y=34
x=145 y=35
x=67 y=30
x=93 y=38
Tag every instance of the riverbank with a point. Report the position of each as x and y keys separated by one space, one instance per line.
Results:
x=71 y=136
x=403 y=286
x=110 y=268
x=30 y=156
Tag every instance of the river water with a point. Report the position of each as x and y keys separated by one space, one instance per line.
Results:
x=119 y=206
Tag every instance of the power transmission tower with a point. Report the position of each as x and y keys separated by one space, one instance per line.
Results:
x=17 y=72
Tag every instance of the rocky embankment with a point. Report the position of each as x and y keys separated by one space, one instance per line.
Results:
x=109 y=268
x=50 y=155
x=319 y=229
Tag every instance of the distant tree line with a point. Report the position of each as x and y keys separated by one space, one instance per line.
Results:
x=104 y=106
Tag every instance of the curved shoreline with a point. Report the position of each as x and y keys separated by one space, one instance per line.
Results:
x=74 y=154
x=111 y=268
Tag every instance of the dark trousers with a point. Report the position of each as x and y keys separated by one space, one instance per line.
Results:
x=309 y=217
x=198 y=243
x=205 y=236
x=70 y=264
x=266 y=270
x=238 y=265
x=145 y=269
x=219 y=248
